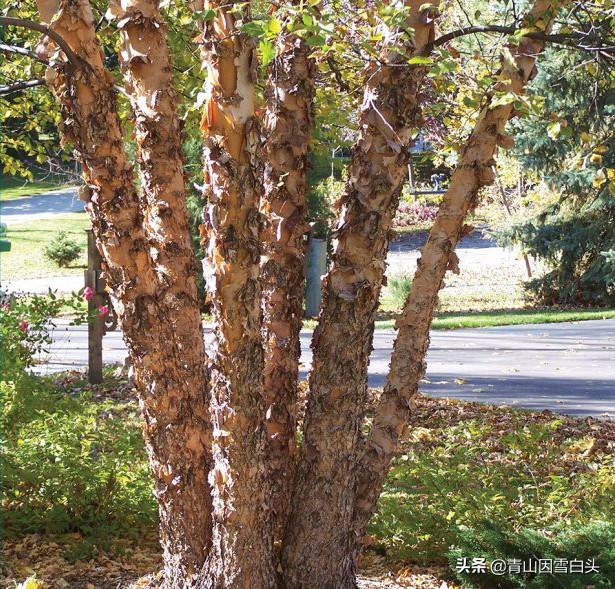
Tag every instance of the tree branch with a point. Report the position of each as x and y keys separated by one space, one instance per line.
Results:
x=568 y=39
x=46 y=31
x=22 y=85
x=22 y=51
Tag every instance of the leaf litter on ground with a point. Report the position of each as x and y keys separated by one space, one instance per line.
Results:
x=38 y=561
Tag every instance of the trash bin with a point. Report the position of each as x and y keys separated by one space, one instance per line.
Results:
x=316 y=268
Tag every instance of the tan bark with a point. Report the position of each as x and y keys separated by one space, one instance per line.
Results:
x=319 y=534
x=242 y=555
x=149 y=269
x=288 y=126
x=475 y=170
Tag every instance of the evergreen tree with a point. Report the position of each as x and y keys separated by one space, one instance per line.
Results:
x=571 y=147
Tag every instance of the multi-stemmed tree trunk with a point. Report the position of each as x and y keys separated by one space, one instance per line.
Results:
x=147 y=258
x=320 y=532
x=242 y=552
x=220 y=430
x=474 y=170
x=287 y=130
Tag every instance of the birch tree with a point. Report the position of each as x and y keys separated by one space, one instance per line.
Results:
x=246 y=498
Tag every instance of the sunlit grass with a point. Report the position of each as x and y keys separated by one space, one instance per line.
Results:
x=28 y=241
x=12 y=188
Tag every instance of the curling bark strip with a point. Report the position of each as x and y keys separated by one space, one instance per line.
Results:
x=242 y=553
x=289 y=119
x=319 y=533
x=152 y=290
x=474 y=170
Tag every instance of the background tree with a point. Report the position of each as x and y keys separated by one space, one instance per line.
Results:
x=571 y=145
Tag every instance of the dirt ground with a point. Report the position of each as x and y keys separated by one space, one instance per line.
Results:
x=36 y=558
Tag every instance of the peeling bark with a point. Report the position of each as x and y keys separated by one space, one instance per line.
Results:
x=149 y=269
x=319 y=536
x=288 y=127
x=242 y=553
x=475 y=170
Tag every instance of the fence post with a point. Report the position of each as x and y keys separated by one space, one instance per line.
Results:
x=316 y=261
x=96 y=327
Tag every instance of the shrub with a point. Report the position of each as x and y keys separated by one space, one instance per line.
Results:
x=595 y=540
x=400 y=286
x=320 y=200
x=62 y=250
x=463 y=462
x=24 y=330
x=415 y=215
x=25 y=325
x=72 y=463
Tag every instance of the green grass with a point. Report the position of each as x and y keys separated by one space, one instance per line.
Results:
x=28 y=240
x=12 y=187
x=519 y=317
x=503 y=317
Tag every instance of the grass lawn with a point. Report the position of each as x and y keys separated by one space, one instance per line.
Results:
x=12 y=187
x=28 y=240
x=500 y=317
x=86 y=512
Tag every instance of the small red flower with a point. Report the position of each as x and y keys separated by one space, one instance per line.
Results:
x=103 y=311
x=88 y=293
x=23 y=325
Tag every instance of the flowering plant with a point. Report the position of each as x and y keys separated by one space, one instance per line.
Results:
x=413 y=214
x=26 y=322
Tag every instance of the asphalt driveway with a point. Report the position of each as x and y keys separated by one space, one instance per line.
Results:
x=566 y=367
x=40 y=206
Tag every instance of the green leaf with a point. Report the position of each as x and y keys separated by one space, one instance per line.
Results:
x=267 y=51
x=554 y=129
x=420 y=60
x=205 y=14
x=502 y=99
x=316 y=41
x=274 y=26
x=254 y=28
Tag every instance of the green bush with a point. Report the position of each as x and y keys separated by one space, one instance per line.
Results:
x=595 y=540
x=25 y=325
x=578 y=251
x=24 y=331
x=458 y=467
x=72 y=463
x=62 y=250
x=321 y=199
x=399 y=286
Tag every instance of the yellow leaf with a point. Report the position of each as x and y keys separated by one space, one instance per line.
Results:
x=586 y=137
x=30 y=583
x=599 y=179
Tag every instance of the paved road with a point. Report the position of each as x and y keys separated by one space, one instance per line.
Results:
x=567 y=367
x=40 y=206
x=61 y=284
